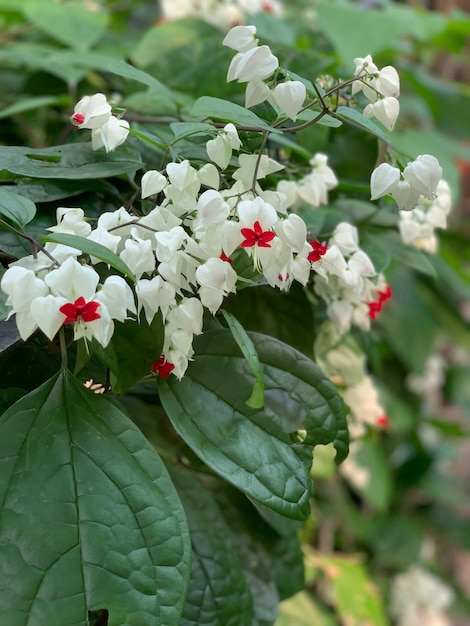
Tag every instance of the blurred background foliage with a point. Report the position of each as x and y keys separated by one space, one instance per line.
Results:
x=402 y=508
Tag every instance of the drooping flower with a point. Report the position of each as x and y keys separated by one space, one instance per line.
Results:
x=91 y=111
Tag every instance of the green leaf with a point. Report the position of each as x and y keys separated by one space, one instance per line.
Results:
x=188 y=129
x=134 y=347
x=256 y=399
x=303 y=610
x=18 y=210
x=207 y=107
x=76 y=161
x=377 y=490
x=252 y=448
x=355 y=117
x=30 y=104
x=391 y=242
x=357 y=598
x=72 y=24
x=93 y=249
x=357 y=30
x=89 y=517
x=104 y=63
x=218 y=594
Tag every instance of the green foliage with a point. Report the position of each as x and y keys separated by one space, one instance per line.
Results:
x=181 y=501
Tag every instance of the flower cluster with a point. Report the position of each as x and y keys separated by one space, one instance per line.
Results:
x=381 y=87
x=254 y=64
x=187 y=247
x=107 y=130
x=417 y=227
x=419 y=178
x=347 y=281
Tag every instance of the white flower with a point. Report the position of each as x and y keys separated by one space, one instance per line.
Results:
x=209 y=176
x=153 y=295
x=73 y=280
x=91 y=111
x=383 y=180
x=386 y=110
x=387 y=82
x=117 y=296
x=345 y=237
x=110 y=135
x=254 y=64
x=423 y=174
x=217 y=279
x=152 y=183
x=256 y=92
x=138 y=256
x=241 y=38
x=289 y=97
x=71 y=220
x=219 y=151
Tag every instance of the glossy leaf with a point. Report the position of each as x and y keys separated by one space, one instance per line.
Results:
x=93 y=249
x=72 y=161
x=89 y=517
x=218 y=594
x=251 y=448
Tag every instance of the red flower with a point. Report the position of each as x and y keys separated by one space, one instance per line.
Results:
x=376 y=307
x=318 y=250
x=224 y=257
x=383 y=421
x=162 y=367
x=80 y=310
x=257 y=237
x=78 y=118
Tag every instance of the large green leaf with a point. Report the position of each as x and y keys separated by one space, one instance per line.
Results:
x=218 y=594
x=132 y=350
x=89 y=517
x=74 y=161
x=72 y=24
x=252 y=448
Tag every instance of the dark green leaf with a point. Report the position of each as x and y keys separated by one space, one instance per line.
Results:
x=89 y=517
x=18 y=210
x=252 y=449
x=132 y=350
x=76 y=161
x=93 y=249
x=218 y=594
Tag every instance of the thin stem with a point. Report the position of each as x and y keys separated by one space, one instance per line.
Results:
x=35 y=245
